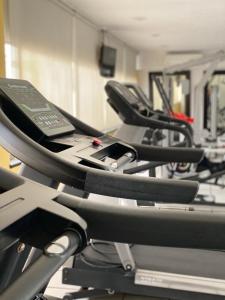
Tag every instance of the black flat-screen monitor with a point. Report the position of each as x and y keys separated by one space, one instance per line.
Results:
x=107 y=61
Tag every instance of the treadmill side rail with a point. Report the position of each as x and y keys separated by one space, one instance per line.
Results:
x=180 y=282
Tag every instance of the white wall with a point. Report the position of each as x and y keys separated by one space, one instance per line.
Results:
x=58 y=52
x=92 y=105
x=149 y=61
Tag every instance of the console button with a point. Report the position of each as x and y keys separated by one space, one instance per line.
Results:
x=96 y=142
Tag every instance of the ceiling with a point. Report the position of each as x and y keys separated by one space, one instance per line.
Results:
x=168 y=25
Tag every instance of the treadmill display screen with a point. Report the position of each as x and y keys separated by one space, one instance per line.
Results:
x=43 y=114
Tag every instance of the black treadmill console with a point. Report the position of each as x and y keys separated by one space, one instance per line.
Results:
x=44 y=123
x=35 y=107
x=138 y=92
x=124 y=95
x=124 y=92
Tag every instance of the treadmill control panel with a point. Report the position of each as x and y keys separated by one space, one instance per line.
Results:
x=125 y=95
x=39 y=119
x=103 y=152
x=124 y=92
x=43 y=114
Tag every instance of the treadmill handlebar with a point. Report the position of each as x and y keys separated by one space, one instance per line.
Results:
x=165 y=118
x=168 y=154
x=167 y=226
x=162 y=225
x=120 y=98
x=157 y=124
x=140 y=188
x=89 y=179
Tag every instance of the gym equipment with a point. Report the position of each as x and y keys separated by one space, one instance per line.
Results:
x=55 y=144
x=139 y=118
x=27 y=220
x=210 y=63
x=138 y=92
x=213 y=164
x=60 y=148
x=122 y=102
x=167 y=105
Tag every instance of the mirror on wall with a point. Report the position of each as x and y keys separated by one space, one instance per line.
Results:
x=214 y=103
x=177 y=88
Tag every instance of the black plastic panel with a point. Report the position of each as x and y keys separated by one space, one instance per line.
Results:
x=32 y=104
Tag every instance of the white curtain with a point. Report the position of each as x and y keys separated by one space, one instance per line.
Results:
x=58 y=52
x=39 y=45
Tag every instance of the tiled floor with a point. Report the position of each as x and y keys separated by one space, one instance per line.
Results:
x=56 y=288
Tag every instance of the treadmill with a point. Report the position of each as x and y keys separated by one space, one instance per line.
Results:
x=137 y=117
x=142 y=124
x=43 y=228
x=58 y=148
x=156 y=136
x=26 y=221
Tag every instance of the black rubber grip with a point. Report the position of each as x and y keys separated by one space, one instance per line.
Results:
x=183 y=123
x=140 y=188
x=150 y=225
x=156 y=124
x=168 y=154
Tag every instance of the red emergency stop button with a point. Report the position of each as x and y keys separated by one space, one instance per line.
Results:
x=96 y=142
